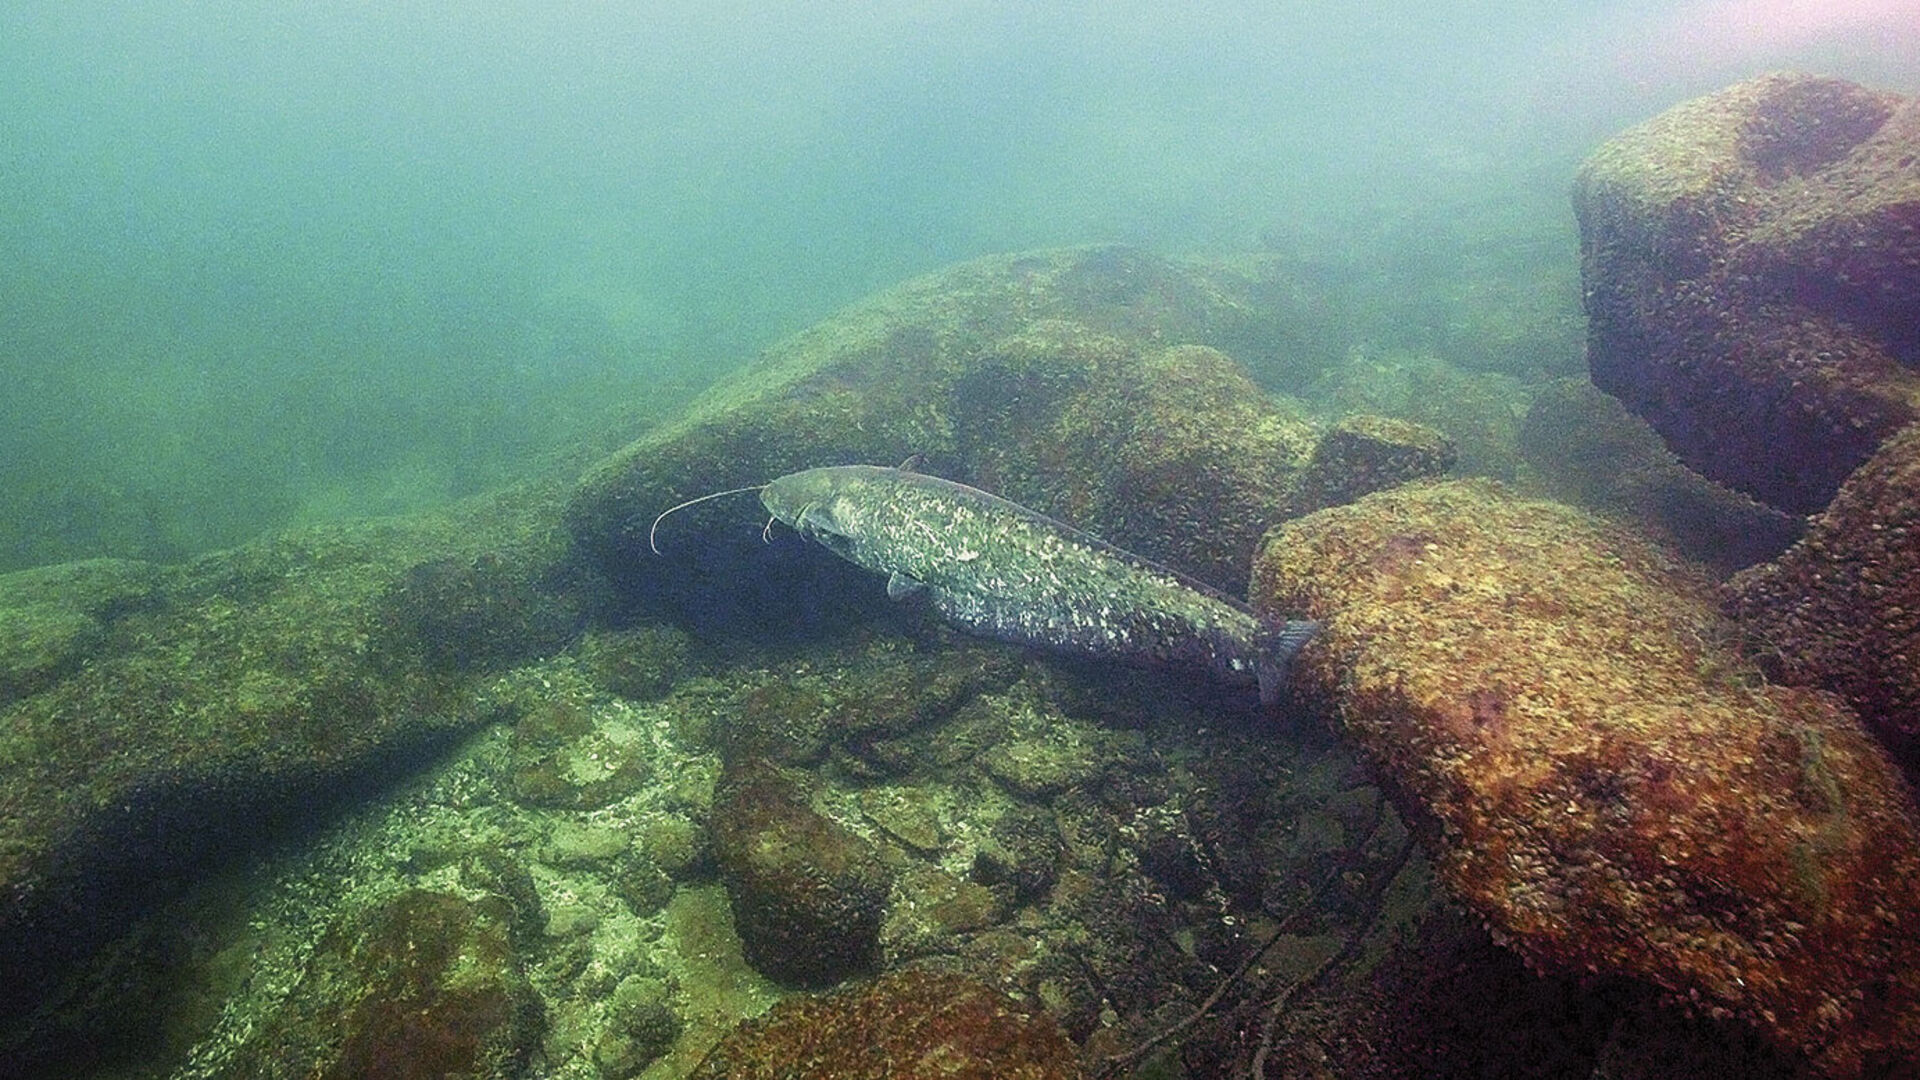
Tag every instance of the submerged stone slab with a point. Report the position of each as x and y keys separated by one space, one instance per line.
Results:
x=1607 y=783
x=1751 y=262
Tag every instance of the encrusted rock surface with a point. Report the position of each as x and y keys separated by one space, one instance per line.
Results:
x=53 y=617
x=1362 y=454
x=1752 y=265
x=178 y=715
x=909 y=1025
x=1609 y=785
x=1841 y=610
x=426 y=985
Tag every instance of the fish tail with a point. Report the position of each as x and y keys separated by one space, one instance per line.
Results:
x=1276 y=646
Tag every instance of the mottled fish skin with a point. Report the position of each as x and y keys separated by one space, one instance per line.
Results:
x=996 y=568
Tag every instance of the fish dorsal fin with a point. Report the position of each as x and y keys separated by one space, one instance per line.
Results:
x=900 y=586
x=912 y=464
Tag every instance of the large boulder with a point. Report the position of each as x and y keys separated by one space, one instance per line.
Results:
x=1841 y=610
x=1752 y=266
x=1606 y=783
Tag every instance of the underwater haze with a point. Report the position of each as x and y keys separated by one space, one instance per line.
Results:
x=266 y=263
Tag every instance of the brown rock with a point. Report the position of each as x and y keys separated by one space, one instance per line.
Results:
x=1752 y=262
x=909 y=1025
x=1605 y=784
x=808 y=895
x=1841 y=610
x=426 y=984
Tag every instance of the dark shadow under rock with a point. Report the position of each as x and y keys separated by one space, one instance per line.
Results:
x=1591 y=452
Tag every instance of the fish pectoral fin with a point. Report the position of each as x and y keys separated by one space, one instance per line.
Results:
x=814 y=521
x=900 y=586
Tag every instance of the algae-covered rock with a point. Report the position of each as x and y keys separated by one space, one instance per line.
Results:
x=1841 y=610
x=1752 y=264
x=562 y=760
x=247 y=692
x=1363 y=454
x=641 y=1025
x=640 y=663
x=1606 y=784
x=909 y=1025
x=1476 y=411
x=1035 y=751
x=864 y=703
x=474 y=613
x=1020 y=851
x=52 y=617
x=808 y=895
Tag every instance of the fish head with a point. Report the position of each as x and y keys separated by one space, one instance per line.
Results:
x=814 y=501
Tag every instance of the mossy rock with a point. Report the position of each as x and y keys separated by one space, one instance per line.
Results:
x=559 y=758
x=1363 y=454
x=221 y=705
x=1082 y=383
x=475 y=613
x=641 y=663
x=53 y=617
x=1605 y=782
x=888 y=690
